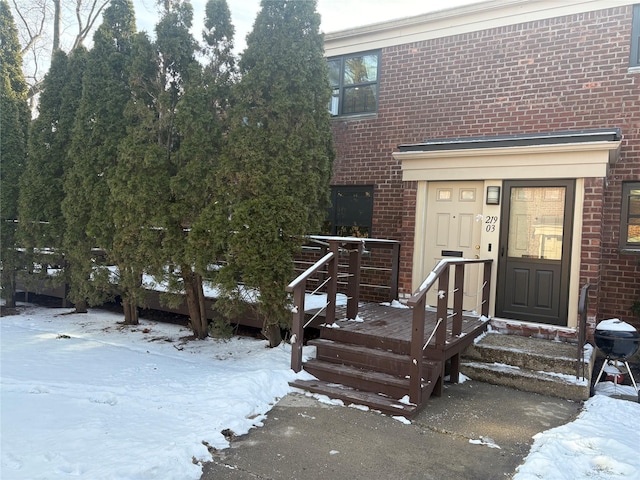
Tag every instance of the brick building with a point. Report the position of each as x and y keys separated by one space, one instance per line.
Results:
x=508 y=129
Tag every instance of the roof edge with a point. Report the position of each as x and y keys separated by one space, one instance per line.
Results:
x=518 y=140
x=474 y=17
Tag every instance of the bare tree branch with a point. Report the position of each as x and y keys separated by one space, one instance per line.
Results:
x=30 y=31
x=45 y=26
x=95 y=10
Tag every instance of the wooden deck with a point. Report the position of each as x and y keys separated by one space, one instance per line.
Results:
x=389 y=328
x=390 y=359
x=367 y=361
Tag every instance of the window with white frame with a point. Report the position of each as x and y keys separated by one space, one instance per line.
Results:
x=630 y=217
x=354 y=83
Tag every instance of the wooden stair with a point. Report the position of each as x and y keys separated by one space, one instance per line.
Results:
x=384 y=356
x=354 y=369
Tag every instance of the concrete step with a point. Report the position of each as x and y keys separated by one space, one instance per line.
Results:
x=529 y=364
x=524 y=352
x=552 y=384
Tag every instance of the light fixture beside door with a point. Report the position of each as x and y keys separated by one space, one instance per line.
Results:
x=493 y=195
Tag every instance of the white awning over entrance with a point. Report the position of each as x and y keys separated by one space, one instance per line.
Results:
x=556 y=155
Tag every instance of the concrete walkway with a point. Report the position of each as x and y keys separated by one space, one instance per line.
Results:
x=305 y=439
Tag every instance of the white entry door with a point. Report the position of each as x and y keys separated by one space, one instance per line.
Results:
x=454 y=228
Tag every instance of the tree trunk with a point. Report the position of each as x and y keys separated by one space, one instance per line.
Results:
x=130 y=312
x=9 y=293
x=273 y=334
x=203 y=311
x=127 y=313
x=195 y=302
x=81 y=306
x=132 y=296
x=57 y=20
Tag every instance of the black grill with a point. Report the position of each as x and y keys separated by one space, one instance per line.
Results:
x=617 y=345
x=618 y=341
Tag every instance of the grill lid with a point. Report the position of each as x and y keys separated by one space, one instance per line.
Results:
x=615 y=325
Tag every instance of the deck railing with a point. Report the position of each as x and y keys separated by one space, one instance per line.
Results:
x=379 y=266
x=418 y=302
x=583 y=308
x=328 y=265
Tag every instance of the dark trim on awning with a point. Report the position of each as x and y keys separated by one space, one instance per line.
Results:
x=522 y=140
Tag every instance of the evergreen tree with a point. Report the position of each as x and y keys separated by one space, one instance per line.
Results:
x=137 y=183
x=99 y=128
x=14 y=124
x=142 y=201
x=41 y=186
x=201 y=125
x=277 y=171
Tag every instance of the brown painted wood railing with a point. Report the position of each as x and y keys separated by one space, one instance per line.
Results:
x=418 y=303
x=379 y=265
x=353 y=246
x=583 y=308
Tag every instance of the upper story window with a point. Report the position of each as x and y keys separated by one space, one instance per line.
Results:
x=634 y=60
x=630 y=217
x=354 y=80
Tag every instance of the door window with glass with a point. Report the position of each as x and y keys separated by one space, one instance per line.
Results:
x=536 y=222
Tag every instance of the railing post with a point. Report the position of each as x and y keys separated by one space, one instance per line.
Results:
x=297 y=327
x=332 y=286
x=443 y=297
x=353 y=285
x=486 y=290
x=298 y=289
x=395 y=268
x=583 y=308
x=456 y=323
x=417 y=339
x=458 y=298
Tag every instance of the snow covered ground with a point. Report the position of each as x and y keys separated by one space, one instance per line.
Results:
x=603 y=443
x=84 y=397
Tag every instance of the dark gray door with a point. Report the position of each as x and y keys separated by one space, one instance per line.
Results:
x=535 y=247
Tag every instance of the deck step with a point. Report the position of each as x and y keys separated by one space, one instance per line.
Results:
x=353 y=396
x=367 y=339
x=360 y=379
x=529 y=364
x=367 y=360
x=362 y=357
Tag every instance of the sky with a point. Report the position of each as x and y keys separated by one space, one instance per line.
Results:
x=336 y=14
x=88 y=399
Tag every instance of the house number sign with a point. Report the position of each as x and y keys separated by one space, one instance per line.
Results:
x=490 y=223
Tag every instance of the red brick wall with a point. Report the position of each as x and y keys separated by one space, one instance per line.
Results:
x=565 y=73
x=407 y=240
x=592 y=242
